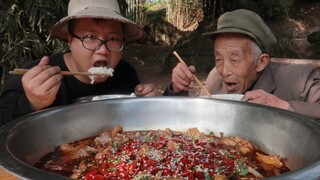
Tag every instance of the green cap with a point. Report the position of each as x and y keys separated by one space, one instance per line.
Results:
x=245 y=22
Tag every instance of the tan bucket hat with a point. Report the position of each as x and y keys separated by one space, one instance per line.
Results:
x=248 y=23
x=101 y=9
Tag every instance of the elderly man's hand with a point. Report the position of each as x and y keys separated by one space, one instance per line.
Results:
x=182 y=76
x=41 y=84
x=264 y=98
x=146 y=90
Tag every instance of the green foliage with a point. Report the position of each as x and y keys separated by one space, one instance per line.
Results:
x=158 y=16
x=25 y=30
x=155 y=11
x=152 y=6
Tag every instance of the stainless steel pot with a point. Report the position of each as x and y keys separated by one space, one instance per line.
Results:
x=25 y=140
x=102 y=97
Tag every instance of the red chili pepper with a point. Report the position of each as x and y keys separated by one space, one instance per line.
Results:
x=135 y=143
x=166 y=160
x=162 y=139
x=209 y=165
x=229 y=162
x=121 y=164
x=160 y=146
x=167 y=172
x=212 y=153
x=132 y=167
x=90 y=175
x=98 y=177
x=199 y=175
x=184 y=160
x=154 y=170
x=148 y=164
x=111 y=166
x=200 y=156
x=188 y=174
x=93 y=174
x=123 y=174
x=201 y=143
x=144 y=157
x=105 y=164
x=214 y=144
x=177 y=140
x=120 y=148
x=153 y=144
x=186 y=169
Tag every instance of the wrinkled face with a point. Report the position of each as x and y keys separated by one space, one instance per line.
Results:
x=82 y=59
x=235 y=61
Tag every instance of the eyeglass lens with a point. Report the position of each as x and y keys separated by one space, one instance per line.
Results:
x=93 y=43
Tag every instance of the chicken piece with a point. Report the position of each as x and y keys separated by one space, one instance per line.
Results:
x=78 y=152
x=269 y=162
x=116 y=130
x=145 y=150
x=152 y=153
x=241 y=144
x=66 y=148
x=167 y=133
x=54 y=166
x=104 y=152
x=105 y=137
x=78 y=170
x=193 y=132
x=172 y=145
x=228 y=141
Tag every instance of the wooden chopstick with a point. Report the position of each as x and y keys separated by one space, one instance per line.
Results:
x=195 y=77
x=18 y=71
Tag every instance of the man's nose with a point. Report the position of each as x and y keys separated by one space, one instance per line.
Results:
x=103 y=49
x=226 y=69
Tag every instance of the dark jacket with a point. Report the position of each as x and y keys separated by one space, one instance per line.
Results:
x=14 y=103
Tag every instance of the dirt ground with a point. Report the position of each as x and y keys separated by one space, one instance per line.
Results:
x=149 y=62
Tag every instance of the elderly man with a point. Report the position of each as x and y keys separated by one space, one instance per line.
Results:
x=242 y=46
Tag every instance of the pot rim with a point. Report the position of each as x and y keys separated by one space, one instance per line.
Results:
x=23 y=170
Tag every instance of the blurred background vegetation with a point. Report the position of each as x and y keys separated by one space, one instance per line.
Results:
x=25 y=25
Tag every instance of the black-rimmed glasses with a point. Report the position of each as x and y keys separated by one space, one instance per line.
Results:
x=93 y=43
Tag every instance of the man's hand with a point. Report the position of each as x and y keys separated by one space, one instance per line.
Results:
x=146 y=90
x=182 y=76
x=41 y=84
x=264 y=98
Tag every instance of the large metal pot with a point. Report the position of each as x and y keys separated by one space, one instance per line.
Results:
x=101 y=97
x=27 y=139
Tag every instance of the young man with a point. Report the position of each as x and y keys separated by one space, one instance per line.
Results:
x=242 y=46
x=95 y=32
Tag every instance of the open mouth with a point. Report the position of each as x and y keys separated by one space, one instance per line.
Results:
x=100 y=69
x=231 y=86
x=100 y=64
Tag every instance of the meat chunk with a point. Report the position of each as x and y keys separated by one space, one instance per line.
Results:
x=106 y=136
x=241 y=144
x=269 y=162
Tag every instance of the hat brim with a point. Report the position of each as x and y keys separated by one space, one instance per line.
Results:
x=214 y=34
x=132 y=32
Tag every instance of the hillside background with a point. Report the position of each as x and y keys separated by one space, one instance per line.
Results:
x=154 y=59
x=170 y=25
